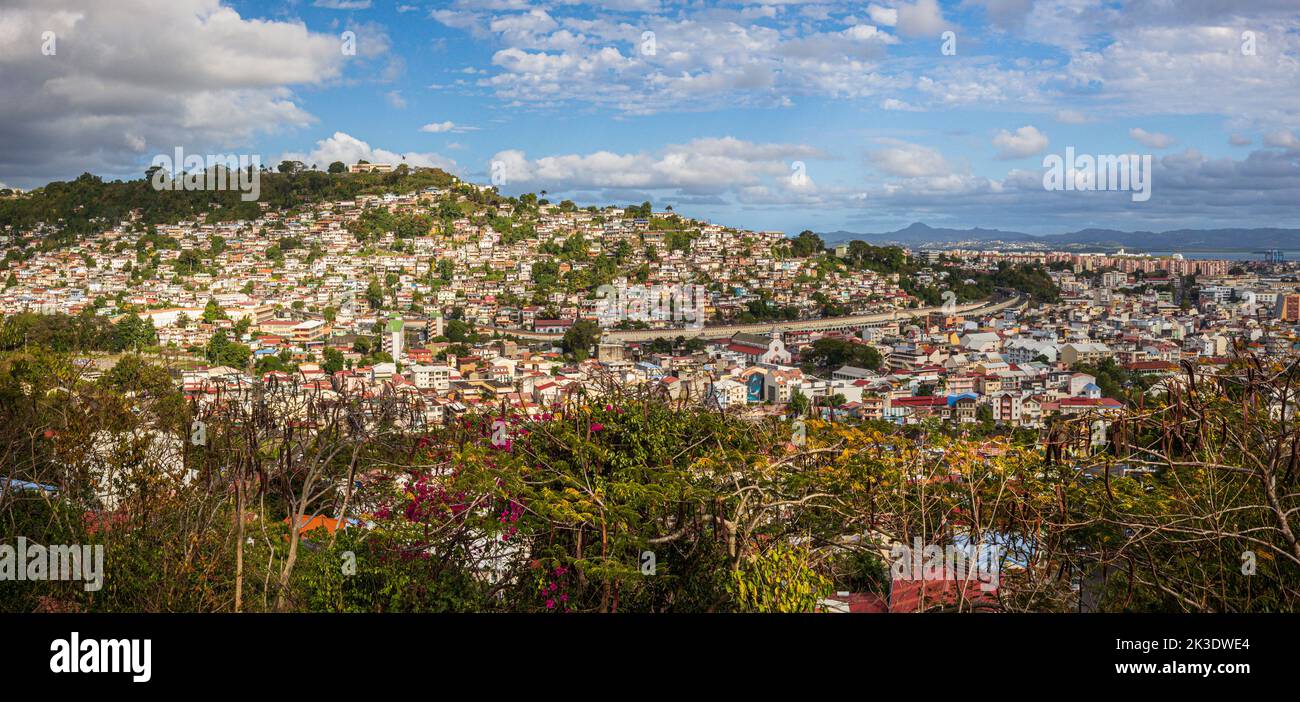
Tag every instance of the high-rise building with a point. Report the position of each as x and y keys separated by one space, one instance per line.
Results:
x=394 y=337
x=1290 y=308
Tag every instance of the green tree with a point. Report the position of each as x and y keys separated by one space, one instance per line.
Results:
x=132 y=332
x=580 y=338
x=213 y=311
x=807 y=244
x=333 y=361
x=780 y=579
x=375 y=294
x=831 y=352
x=798 y=403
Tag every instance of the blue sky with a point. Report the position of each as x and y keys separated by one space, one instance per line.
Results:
x=719 y=116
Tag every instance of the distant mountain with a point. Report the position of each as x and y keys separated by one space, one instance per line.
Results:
x=919 y=234
x=1187 y=239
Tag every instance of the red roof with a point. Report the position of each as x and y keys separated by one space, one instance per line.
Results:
x=861 y=602
x=1090 y=402
x=747 y=349
x=920 y=595
x=920 y=401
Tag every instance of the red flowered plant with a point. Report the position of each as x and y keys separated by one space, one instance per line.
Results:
x=553 y=590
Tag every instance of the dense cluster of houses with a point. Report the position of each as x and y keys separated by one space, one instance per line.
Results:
x=298 y=285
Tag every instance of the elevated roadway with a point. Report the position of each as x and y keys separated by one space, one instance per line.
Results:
x=723 y=331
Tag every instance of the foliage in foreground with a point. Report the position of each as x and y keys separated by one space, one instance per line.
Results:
x=629 y=502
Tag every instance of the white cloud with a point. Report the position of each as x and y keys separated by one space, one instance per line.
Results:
x=1191 y=190
x=863 y=32
x=886 y=16
x=1146 y=70
x=532 y=22
x=977 y=81
x=709 y=165
x=1071 y=117
x=901 y=158
x=898 y=105
x=395 y=99
x=702 y=59
x=921 y=18
x=130 y=80
x=1120 y=57
x=349 y=149
x=471 y=22
x=1283 y=138
x=1026 y=141
x=1154 y=140
x=448 y=126
x=1240 y=140
x=343 y=4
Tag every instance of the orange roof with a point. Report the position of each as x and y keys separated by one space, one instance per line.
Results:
x=317 y=522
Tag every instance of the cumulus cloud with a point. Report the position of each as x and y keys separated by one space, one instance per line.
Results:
x=1284 y=138
x=343 y=4
x=96 y=107
x=129 y=82
x=901 y=158
x=887 y=16
x=1026 y=141
x=701 y=166
x=1145 y=69
x=1189 y=189
x=982 y=82
x=445 y=127
x=700 y=58
x=1071 y=117
x=523 y=25
x=921 y=18
x=349 y=149
x=1119 y=55
x=898 y=105
x=1154 y=140
x=1127 y=58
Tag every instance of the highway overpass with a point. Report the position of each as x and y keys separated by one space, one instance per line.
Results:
x=727 y=330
